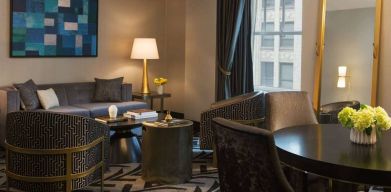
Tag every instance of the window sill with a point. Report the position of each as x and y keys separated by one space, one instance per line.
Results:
x=272 y=89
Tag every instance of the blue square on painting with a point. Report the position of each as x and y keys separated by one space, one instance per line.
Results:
x=18 y=20
x=68 y=41
x=77 y=3
x=35 y=35
x=83 y=29
x=32 y=19
x=35 y=6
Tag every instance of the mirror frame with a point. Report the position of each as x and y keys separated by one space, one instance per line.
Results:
x=319 y=49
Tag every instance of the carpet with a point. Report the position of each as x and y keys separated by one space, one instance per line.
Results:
x=127 y=178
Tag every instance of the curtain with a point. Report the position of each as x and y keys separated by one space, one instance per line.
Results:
x=234 y=55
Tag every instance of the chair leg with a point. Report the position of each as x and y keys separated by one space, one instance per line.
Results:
x=7 y=184
x=214 y=156
x=102 y=178
x=330 y=185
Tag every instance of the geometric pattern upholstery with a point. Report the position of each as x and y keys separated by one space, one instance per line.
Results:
x=244 y=107
x=45 y=130
x=247 y=158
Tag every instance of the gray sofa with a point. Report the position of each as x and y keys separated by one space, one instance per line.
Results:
x=74 y=98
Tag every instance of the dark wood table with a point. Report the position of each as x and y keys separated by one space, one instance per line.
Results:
x=167 y=153
x=150 y=97
x=125 y=143
x=326 y=150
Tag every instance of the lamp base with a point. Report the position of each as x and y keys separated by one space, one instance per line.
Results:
x=145 y=85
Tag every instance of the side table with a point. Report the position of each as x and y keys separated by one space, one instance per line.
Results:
x=151 y=96
x=167 y=153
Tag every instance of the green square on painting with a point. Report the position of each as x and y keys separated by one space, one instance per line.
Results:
x=50 y=50
x=51 y=6
x=35 y=20
x=36 y=47
x=82 y=19
x=19 y=35
x=18 y=53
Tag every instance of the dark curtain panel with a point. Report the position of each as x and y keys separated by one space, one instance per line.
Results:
x=234 y=57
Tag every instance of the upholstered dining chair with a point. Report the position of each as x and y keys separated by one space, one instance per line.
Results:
x=247 y=159
x=54 y=152
x=287 y=109
x=247 y=109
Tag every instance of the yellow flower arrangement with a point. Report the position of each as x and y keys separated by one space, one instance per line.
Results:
x=160 y=81
x=365 y=119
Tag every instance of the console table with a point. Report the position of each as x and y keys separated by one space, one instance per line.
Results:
x=151 y=96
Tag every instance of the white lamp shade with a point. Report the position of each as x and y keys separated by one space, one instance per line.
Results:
x=341 y=82
x=342 y=70
x=144 y=48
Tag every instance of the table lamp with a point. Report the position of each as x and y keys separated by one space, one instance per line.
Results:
x=145 y=48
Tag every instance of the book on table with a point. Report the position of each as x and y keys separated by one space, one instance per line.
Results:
x=107 y=119
x=140 y=114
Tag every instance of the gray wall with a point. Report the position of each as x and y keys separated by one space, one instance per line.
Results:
x=348 y=41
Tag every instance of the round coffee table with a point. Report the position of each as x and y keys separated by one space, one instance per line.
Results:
x=167 y=152
x=125 y=143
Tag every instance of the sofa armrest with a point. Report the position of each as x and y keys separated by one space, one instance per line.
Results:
x=9 y=102
x=126 y=91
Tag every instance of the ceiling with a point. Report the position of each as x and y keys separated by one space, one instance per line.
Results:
x=333 y=5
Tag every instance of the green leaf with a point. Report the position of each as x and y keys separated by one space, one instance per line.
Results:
x=368 y=131
x=362 y=106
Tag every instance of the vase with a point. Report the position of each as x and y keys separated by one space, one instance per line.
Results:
x=159 y=89
x=113 y=110
x=360 y=137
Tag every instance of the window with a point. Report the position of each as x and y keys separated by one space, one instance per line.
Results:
x=267 y=74
x=267 y=40
x=288 y=3
x=277 y=44
x=268 y=4
x=286 y=75
x=287 y=41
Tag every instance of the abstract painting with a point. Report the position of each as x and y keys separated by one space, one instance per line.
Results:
x=54 y=28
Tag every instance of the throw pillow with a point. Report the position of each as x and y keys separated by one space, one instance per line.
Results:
x=28 y=95
x=48 y=98
x=108 y=90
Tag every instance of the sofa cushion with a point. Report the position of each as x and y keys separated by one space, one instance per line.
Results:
x=28 y=95
x=72 y=110
x=48 y=98
x=101 y=109
x=108 y=90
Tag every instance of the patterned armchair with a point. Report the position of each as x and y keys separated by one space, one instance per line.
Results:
x=246 y=109
x=54 y=152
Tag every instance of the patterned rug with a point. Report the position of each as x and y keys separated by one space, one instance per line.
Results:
x=127 y=178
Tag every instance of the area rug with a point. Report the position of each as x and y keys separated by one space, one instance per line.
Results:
x=127 y=178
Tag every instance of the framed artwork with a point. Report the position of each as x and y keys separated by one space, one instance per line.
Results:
x=54 y=28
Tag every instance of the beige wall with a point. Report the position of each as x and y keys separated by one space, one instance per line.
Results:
x=200 y=56
x=119 y=22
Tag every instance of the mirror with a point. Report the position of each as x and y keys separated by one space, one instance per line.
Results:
x=347 y=50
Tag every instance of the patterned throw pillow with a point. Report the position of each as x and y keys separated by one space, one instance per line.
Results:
x=28 y=95
x=108 y=90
